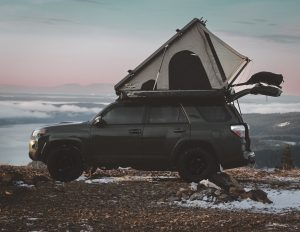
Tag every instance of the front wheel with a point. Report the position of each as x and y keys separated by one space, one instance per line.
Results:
x=65 y=164
x=196 y=164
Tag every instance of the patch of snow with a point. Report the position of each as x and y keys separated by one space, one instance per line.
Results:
x=82 y=178
x=283 y=201
x=283 y=124
x=287 y=179
x=290 y=143
x=106 y=180
x=164 y=177
x=124 y=168
x=274 y=224
x=21 y=183
x=193 y=186
x=32 y=219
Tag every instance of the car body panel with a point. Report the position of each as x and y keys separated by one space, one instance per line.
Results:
x=151 y=146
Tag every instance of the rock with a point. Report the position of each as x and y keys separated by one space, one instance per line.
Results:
x=245 y=195
x=224 y=197
x=194 y=186
x=224 y=181
x=209 y=184
x=183 y=193
x=200 y=187
x=218 y=192
x=173 y=198
x=259 y=195
x=185 y=196
x=197 y=196
x=8 y=193
x=236 y=192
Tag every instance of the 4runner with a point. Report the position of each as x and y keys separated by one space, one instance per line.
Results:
x=190 y=135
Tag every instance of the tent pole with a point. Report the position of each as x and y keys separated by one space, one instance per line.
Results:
x=162 y=60
x=241 y=70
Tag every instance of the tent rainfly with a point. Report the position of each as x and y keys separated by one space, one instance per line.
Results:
x=193 y=59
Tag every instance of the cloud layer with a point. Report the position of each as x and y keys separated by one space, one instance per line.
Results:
x=38 y=109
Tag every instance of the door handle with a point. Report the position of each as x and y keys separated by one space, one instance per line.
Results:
x=179 y=130
x=135 y=131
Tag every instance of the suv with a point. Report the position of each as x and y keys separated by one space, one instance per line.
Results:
x=188 y=135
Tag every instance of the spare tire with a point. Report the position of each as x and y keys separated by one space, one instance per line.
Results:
x=65 y=163
x=195 y=164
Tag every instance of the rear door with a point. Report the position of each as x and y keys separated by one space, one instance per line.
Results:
x=165 y=125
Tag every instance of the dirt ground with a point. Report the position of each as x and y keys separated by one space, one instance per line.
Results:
x=133 y=204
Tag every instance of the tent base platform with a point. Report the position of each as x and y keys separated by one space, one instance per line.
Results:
x=214 y=93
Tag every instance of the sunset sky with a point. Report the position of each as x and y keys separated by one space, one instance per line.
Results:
x=54 y=42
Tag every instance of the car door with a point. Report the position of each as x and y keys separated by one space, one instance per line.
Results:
x=165 y=125
x=118 y=137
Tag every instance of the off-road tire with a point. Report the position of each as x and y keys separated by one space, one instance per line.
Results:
x=195 y=164
x=65 y=163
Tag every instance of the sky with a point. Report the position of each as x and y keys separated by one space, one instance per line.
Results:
x=55 y=42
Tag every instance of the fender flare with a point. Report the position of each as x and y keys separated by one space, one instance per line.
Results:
x=76 y=143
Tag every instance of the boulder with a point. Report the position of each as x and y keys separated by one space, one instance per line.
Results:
x=224 y=181
x=259 y=195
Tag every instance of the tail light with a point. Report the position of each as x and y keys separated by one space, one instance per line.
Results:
x=239 y=130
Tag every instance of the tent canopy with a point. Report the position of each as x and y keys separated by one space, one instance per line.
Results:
x=193 y=59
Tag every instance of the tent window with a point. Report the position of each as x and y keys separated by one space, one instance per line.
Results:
x=186 y=72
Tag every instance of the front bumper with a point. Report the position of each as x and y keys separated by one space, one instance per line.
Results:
x=33 y=150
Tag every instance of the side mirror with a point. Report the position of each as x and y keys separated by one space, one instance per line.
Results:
x=98 y=121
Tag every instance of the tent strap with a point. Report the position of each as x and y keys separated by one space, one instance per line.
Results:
x=161 y=63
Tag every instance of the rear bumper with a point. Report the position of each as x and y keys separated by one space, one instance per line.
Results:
x=249 y=156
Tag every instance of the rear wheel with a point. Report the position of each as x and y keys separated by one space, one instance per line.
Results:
x=196 y=164
x=65 y=163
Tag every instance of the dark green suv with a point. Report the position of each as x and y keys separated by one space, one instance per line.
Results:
x=191 y=136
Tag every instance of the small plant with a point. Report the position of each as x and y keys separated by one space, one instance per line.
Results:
x=287 y=162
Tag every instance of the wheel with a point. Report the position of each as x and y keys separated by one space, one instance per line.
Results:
x=196 y=164
x=65 y=164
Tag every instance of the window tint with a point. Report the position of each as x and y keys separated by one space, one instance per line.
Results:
x=166 y=114
x=193 y=113
x=208 y=113
x=214 y=113
x=124 y=115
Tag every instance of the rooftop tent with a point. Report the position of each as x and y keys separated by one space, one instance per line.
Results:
x=193 y=59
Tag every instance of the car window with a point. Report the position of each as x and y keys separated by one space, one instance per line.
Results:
x=123 y=114
x=216 y=113
x=166 y=114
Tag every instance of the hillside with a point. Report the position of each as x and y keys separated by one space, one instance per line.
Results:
x=126 y=199
x=270 y=134
x=276 y=126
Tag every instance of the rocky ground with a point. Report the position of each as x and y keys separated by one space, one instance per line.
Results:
x=130 y=200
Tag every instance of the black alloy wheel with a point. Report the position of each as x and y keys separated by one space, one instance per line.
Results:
x=195 y=164
x=65 y=164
